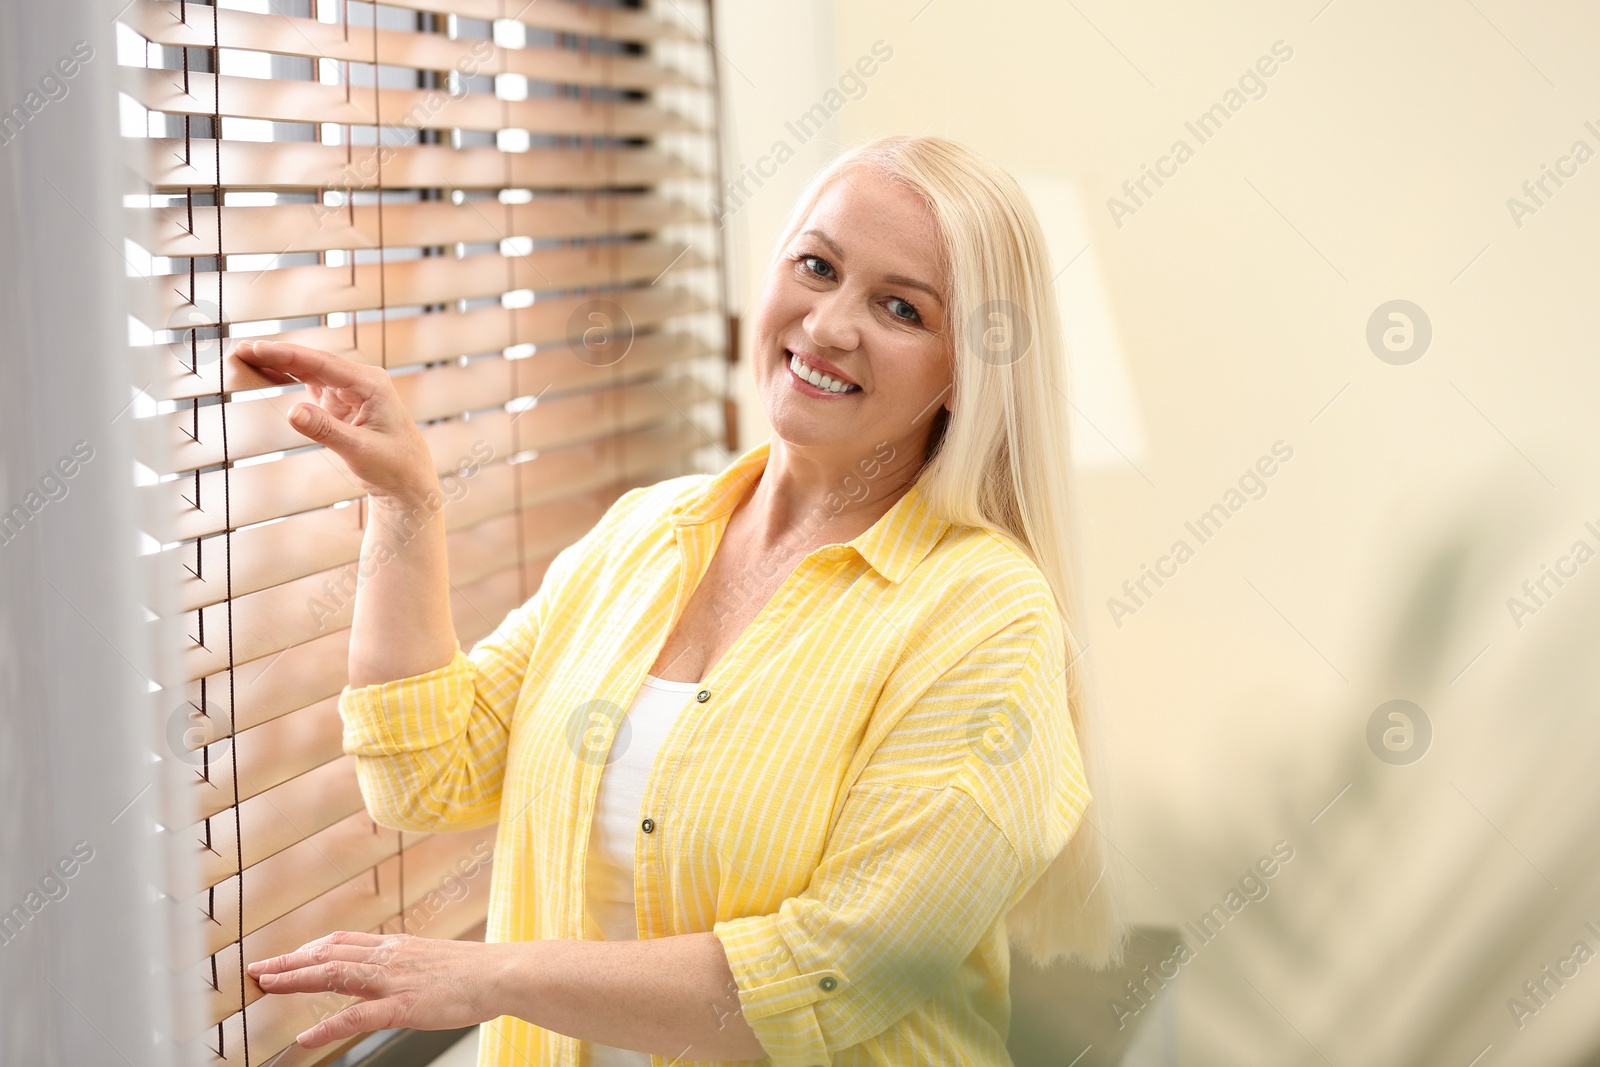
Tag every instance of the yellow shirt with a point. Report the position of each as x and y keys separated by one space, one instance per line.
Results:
x=866 y=782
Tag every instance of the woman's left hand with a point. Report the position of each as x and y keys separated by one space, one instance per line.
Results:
x=422 y=983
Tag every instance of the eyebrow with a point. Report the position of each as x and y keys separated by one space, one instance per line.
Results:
x=892 y=279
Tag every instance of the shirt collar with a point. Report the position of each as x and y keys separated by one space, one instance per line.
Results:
x=893 y=546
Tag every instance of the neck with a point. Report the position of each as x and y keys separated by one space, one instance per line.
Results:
x=802 y=500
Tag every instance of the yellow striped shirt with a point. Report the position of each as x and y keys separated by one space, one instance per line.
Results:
x=865 y=783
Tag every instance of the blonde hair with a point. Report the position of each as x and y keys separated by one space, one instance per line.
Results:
x=1001 y=460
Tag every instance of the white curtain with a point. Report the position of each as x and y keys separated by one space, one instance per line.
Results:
x=83 y=935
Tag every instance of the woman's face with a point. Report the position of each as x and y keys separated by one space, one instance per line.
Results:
x=861 y=288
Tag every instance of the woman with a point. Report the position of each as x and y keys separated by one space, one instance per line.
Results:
x=781 y=757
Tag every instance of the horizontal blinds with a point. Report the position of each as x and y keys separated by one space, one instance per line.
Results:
x=168 y=22
x=178 y=164
x=506 y=207
x=314 y=228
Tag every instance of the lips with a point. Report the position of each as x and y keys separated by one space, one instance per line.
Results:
x=822 y=366
x=822 y=386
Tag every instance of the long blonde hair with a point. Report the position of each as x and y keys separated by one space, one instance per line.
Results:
x=1001 y=461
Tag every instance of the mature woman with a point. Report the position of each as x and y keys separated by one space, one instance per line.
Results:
x=783 y=757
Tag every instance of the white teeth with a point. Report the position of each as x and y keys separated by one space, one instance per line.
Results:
x=818 y=379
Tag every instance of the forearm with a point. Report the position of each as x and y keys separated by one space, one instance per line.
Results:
x=401 y=624
x=672 y=996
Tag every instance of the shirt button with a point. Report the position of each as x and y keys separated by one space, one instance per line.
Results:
x=648 y=825
x=703 y=696
x=828 y=984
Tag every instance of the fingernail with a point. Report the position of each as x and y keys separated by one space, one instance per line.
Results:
x=301 y=418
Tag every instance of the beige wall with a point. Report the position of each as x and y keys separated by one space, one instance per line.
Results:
x=1375 y=165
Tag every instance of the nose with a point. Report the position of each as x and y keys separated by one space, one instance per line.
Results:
x=831 y=322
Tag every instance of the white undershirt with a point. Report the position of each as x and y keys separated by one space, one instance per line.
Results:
x=616 y=819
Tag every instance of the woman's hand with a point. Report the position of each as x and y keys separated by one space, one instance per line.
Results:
x=422 y=983
x=356 y=412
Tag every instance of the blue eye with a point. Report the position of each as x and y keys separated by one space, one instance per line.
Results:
x=809 y=259
x=915 y=315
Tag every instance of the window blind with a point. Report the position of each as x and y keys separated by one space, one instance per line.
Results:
x=505 y=205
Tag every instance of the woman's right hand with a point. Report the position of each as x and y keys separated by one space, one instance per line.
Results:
x=355 y=410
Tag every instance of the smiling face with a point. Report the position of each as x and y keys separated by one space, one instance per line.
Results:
x=858 y=295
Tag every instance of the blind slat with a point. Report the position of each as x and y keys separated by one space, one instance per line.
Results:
x=308 y=479
x=272 y=619
x=564 y=16
x=259 y=557
x=295 y=876
x=280 y=228
x=292 y=292
x=312 y=102
x=266 y=756
x=406 y=341
x=269 y=621
x=435 y=863
x=196 y=439
x=273 y=820
x=170 y=23
x=172 y=165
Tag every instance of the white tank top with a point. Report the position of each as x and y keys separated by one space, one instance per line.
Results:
x=609 y=895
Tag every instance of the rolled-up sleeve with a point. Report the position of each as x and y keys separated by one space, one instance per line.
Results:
x=921 y=874
x=962 y=806
x=431 y=749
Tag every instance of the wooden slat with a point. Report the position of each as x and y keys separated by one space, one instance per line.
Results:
x=305 y=608
x=565 y=16
x=267 y=756
x=276 y=229
x=327 y=541
x=274 y=819
x=293 y=877
x=194 y=438
x=404 y=342
x=190 y=25
x=286 y=100
x=451 y=862
x=293 y=292
x=261 y=427
x=170 y=165
x=314 y=478
x=312 y=541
